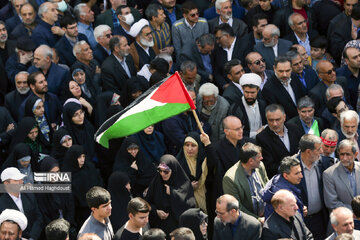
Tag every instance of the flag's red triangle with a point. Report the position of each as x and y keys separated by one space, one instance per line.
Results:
x=173 y=91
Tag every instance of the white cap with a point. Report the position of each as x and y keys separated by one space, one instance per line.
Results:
x=136 y=27
x=14 y=215
x=250 y=78
x=11 y=173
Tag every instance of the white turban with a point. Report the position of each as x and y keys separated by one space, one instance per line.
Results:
x=250 y=78
x=136 y=27
x=14 y=215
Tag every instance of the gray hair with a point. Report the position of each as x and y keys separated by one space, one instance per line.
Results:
x=275 y=31
x=347 y=143
x=21 y=73
x=45 y=50
x=43 y=8
x=305 y=102
x=152 y=10
x=273 y=108
x=77 y=47
x=345 y=236
x=218 y=3
x=231 y=202
x=187 y=65
x=290 y=19
x=208 y=89
x=167 y=57
x=206 y=39
x=333 y=87
x=332 y=134
x=78 y=10
x=348 y=115
x=287 y=163
x=99 y=31
x=308 y=141
x=336 y=212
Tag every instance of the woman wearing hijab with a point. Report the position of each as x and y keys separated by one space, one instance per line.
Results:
x=56 y=205
x=131 y=160
x=73 y=90
x=196 y=220
x=80 y=129
x=151 y=143
x=34 y=107
x=133 y=88
x=62 y=141
x=22 y=158
x=28 y=132
x=192 y=159
x=83 y=177
x=119 y=188
x=170 y=194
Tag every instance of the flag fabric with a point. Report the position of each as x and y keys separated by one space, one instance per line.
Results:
x=163 y=100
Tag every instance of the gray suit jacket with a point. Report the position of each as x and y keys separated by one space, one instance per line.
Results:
x=239 y=27
x=356 y=235
x=249 y=228
x=337 y=190
x=268 y=52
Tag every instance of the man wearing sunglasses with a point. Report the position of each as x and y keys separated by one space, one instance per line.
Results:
x=102 y=34
x=327 y=75
x=189 y=28
x=256 y=63
x=66 y=43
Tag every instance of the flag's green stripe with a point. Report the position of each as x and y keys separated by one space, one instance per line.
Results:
x=136 y=122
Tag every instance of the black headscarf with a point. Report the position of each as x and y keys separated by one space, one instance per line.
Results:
x=181 y=192
x=58 y=151
x=120 y=196
x=132 y=85
x=48 y=163
x=24 y=127
x=152 y=145
x=146 y=169
x=20 y=150
x=199 y=161
x=103 y=102
x=81 y=134
x=31 y=100
x=192 y=218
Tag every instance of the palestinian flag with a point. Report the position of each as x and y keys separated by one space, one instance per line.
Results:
x=163 y=100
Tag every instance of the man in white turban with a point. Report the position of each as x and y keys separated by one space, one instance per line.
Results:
x=12 y=224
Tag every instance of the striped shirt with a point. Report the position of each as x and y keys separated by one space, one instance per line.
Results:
x=162 y=37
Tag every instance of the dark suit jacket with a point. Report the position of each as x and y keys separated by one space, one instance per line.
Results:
x=31 y=211
x=311 y=79
x=178 y=14
x=268 y=52
x=64 y=49
x=274 y=92
x=292 y=38
x=100 y=54
x=239 y=27
x=232 y=94
x=191 y=52
x=248 y=228
x=12 y=22
x=296 y=122
x=318 y=94
x=113 y=76
x=220 y=58
x=274 y=150
x=238 y=110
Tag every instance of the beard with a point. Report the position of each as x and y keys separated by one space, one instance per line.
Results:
x=250 y=101
x=23 y=91
x=146 y=43
x=348 y=136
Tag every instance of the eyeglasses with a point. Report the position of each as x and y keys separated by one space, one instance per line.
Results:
x=79 y=114
x=166 y=172
x=220 y=213
x=147 y=34
x=194 y=14
x=257 y=62
x=109 y=35
x=329 y=72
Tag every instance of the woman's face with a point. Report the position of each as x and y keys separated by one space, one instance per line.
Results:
x=128 y=186
x=164 y=173
x=80 y=77
x=39 y=110
x=81 y=160
x=149 y=130
x=67 y=142
x=55 y=169
x=203 y=227
x=33 y=134
x=24 y=164
x=75 y=89
x=78 y=117
x=191 y=149
x=133 y=151
x=136 y=94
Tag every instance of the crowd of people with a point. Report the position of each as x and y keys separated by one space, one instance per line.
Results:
x=276 y=89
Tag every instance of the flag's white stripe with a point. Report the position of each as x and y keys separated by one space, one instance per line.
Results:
x=144 y=105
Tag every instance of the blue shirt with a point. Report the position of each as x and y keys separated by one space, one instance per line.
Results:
x=207 y=63
x=172 y=15
x=88 y=31
x=351 y=178
x=235 y=225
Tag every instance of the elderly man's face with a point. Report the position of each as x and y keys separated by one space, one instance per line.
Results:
x=349 y=127
x=345 y=223
x=51 y=14
x=209 y=102
x=268 y=40
x=17 y=4
x=300 y=24
x=347 y=156
x=85 y=52
x=189 y=76
x=226 y=10
x=40 y=60
x=9 y=231
x=276 y=120
x=297 y=65
x=21 y=83
x=88 y=14
x=28 y=14
x=306 y=114
x=289 y=207
x=3 y=33
x=256 y=63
